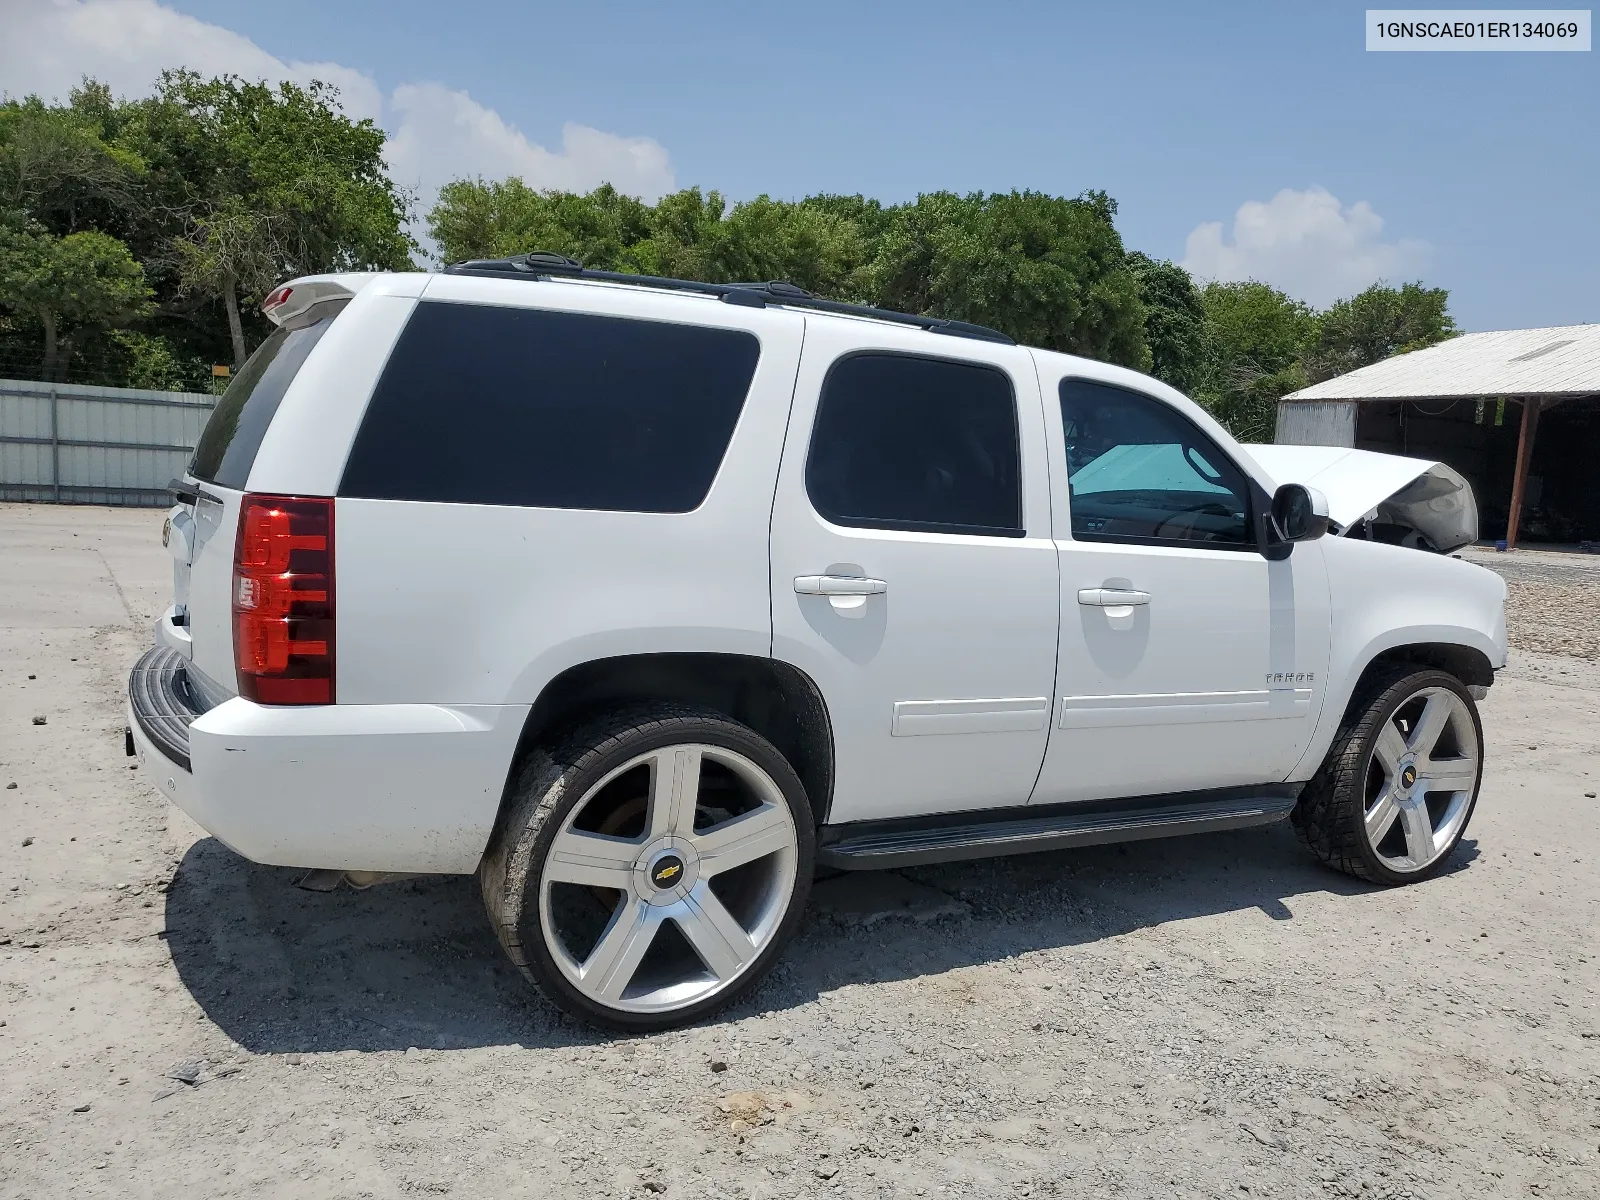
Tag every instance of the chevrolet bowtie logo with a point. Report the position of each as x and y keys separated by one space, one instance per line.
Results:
x=665 y=871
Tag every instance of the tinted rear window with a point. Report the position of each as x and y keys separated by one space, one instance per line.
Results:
x=918 y=444
x=482 y=405
x=234 y=431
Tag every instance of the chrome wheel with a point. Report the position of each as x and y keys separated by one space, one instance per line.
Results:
x=668 y=879
x=1421 y=778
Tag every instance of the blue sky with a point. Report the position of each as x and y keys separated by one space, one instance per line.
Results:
x=1478 y=172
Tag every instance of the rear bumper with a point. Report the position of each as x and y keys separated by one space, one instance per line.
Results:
x=365 y=787
x=160 y=705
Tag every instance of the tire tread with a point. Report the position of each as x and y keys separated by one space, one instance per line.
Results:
x=536 y=793
x=1329 y=816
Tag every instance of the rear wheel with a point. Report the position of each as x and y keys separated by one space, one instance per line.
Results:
x=650 y=867
x=1398 y=787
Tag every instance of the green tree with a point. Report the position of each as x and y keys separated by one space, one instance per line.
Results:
x=1376 y=324
x=477 y=219
x=143 y=360
x=1046 y=270
x=217 y=188
x=1049 y=271
x=270 y=182
x=1174 y=321
x=1257 y=337
x=688 y=234
x=759 y=240
x=69 y=285
x=230 y=251
x=686 y=237
x=59 y=167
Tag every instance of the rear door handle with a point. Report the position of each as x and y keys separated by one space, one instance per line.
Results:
x=1112 y=597
x=838 y=585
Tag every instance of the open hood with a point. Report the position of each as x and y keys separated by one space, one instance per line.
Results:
x=1385 y=497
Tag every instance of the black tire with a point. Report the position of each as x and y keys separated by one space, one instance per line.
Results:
x=1330 y=814
x=552 y=779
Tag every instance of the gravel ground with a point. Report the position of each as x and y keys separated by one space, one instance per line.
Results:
x=1553 y=599
x=1213 y=1016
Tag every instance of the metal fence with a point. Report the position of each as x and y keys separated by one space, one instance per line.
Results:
x=1316 y=423
x=76 y=444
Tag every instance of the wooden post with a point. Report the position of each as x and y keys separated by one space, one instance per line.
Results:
x=1519 y=480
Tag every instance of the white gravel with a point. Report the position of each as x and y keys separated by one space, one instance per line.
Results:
x=1552 y=601
x=1213 y=1016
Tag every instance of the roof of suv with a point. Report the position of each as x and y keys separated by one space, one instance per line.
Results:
x=293 y=300
x=543 y=265
x=298 y=295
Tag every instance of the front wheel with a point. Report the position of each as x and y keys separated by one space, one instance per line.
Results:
x=1394 y=796
x=650 y=868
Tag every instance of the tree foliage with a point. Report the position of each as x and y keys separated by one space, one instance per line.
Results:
x=477 y=219
x=1050 y=272
x=1174 y=321
x=1257 y=339
x=58 y=168
x=136 y=237
x=216 y=188
x=274 y=182
x=70 y=285
x=1377 y=323
x=1047 y=270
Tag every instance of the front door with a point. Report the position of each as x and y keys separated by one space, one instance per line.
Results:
x=913 y=573
x=1188 y=660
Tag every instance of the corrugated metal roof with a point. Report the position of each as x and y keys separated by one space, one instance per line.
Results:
x=1563 y=361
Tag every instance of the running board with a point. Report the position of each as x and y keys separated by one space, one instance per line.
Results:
x=870 y=845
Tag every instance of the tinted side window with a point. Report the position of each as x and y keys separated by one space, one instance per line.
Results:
x=1137 y=471
x=237 y=424
x=918 y=444
x=516 y=406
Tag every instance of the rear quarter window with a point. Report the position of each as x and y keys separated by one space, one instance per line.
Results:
x=527 y=407
x=903 y=442
x=233 y=433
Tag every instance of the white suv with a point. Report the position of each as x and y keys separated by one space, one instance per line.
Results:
x=643 y=599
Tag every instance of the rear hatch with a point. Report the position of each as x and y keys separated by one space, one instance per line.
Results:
x=215 y=485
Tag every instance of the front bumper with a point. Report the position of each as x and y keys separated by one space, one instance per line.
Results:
x=359 y=787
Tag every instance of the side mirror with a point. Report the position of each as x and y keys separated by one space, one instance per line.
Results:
x=1299 y=513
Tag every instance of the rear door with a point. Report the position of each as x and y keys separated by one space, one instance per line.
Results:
x=219 y=472
x=913 y=575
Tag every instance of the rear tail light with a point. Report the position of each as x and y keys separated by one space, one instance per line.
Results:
x=283 y=612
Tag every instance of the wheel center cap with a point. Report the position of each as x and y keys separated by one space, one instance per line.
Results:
x=1408 y=775
x=667 y=871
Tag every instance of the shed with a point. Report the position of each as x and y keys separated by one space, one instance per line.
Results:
x=1517 y=411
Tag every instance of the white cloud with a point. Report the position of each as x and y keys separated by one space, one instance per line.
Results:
x=1305 y=243
x=51 y=44
x=442 y=134
x=435 y=133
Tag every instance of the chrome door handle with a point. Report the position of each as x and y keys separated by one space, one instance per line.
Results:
x=1112 y=597
x=838 y=585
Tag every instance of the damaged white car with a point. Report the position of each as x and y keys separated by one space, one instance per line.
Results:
x=1411 y=502
x=638 y=599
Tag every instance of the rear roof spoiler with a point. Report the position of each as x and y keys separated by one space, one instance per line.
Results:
x=295 y=298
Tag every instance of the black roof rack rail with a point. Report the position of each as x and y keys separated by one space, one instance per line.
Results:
x=544 y=265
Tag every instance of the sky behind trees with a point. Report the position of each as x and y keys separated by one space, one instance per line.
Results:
x=1259 y=140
